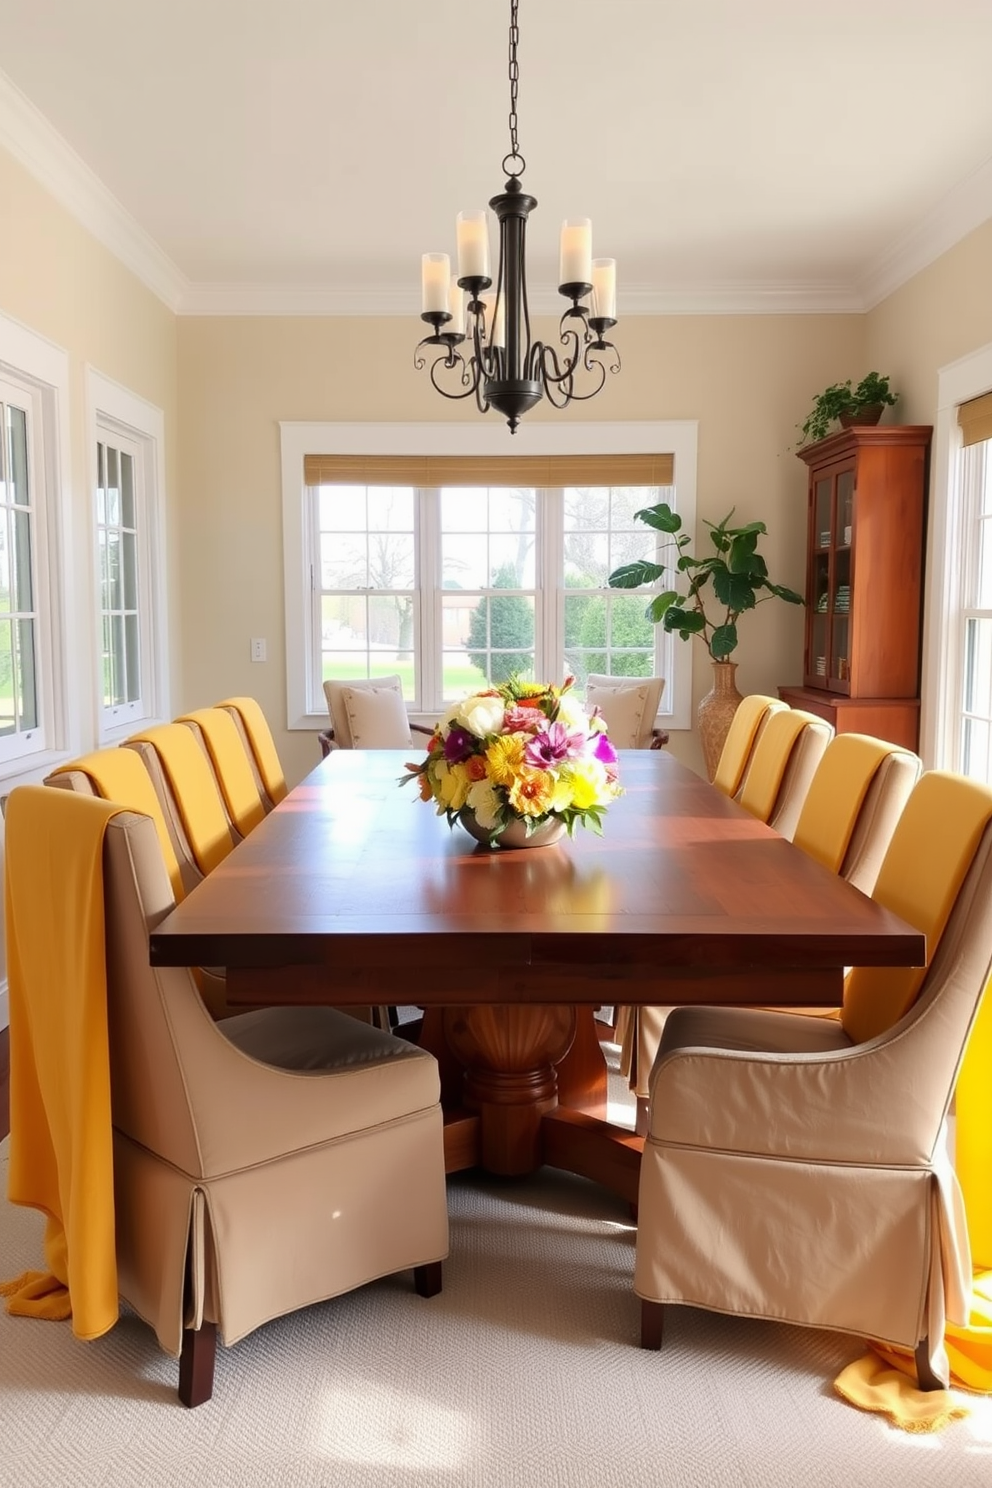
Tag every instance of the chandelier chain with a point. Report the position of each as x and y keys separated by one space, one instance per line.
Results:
x=514 y=75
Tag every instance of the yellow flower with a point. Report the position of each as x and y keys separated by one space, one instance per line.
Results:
x=532 y=792
x=506 y=759
x=588 y=782
x=453 y=786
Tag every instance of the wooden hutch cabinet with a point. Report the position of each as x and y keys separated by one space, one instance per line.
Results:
x=864 y=581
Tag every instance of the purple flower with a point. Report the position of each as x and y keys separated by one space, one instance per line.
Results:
x=604 y=750
x=551 y=746
x=457 y=746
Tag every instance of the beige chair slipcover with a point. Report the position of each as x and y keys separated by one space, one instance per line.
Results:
x=630 y=707
x=792 y=1173
x=262 y=1164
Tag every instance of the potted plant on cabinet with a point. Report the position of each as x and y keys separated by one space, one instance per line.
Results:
x=737 y=574
x=863 y=404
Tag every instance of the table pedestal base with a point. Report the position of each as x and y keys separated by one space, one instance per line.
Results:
x=509 y=1054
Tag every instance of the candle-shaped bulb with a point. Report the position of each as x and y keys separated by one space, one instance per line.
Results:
x=435 y=277
x=604 y=288
x=472 y=232
x=575 y=264
x=456 y=305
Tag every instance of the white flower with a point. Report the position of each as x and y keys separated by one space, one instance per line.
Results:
x=479 y=715
x=484 y=802
x=572 y=714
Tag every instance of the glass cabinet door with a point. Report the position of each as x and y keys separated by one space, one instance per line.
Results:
x=828 y=647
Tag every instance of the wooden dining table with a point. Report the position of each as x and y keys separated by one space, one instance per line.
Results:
x=354 y=892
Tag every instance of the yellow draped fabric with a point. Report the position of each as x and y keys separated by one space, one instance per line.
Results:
x=930 y=852
x=770 y=761
x=231 y=766
x=884 y=1380
x=836 y=796
x=61 y=1145
x=118 y=775
x=262 y=743
x=740 y=738
x=188 y=772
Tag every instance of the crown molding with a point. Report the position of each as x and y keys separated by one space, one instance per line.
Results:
x=724 y=299
x=965 y=207
x=38 y=146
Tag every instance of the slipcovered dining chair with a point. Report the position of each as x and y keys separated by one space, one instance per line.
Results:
x=225 y=747
x=853 y=805
x=119 y=775
x=781 y=769
x=215 y=1176
x=753 y=712
x=189 y=794
x=368 y=714
x=797 y=1168
x=253 y=726
x=630 y=706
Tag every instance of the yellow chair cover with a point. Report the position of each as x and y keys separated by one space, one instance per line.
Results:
x=195 y=790
x=262 y=743
x=737 y=745
x=61 y=1145
x=770 y=761
x=884 y=1380
x=940 y=846
x=231 y=766
x=823 y=830
x=119 y=776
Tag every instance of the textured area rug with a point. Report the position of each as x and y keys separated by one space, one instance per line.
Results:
x=523 y=1373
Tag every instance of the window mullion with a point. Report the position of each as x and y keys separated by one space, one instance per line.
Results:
x=549 y=575
x=428 y=644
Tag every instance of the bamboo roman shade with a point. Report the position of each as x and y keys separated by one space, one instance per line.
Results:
x=539 y=471
x=975 y=418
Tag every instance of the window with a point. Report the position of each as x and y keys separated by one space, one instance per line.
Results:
x=957 y=671
x=974 y=744
x=131 y=669
x=452 y=567
x=19 y=618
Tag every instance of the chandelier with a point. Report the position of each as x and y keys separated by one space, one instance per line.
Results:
x=503 y=368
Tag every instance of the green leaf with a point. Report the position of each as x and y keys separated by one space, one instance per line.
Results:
x=742 y=552
x=686 y=622
x=734 y=590
x=661 y=517
x=634 y=575
x=723 y=641
x=660 y=605
x=781 y=592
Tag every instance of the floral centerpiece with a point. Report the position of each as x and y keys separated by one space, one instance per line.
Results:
x=521 y=762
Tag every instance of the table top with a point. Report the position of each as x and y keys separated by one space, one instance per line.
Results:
x=353 y=871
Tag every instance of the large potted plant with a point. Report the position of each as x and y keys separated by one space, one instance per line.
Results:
x=730 y=581
x=847 y=405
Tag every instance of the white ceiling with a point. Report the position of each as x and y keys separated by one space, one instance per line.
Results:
x=283 y=154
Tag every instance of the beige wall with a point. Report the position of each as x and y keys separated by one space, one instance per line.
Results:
x=941 y=314
x=62 y=284
x=747 y=379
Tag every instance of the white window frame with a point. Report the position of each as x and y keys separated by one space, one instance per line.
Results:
x=42 y=368
x=113 y=411
x=943 y=660
x=677 y=437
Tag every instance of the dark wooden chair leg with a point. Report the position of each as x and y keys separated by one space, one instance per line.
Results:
x=652 y=1321
x=427 y=1279
x=641 y=1117
x=924 y=1374
x=196 y=1364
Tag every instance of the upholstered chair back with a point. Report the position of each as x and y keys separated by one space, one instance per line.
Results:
x=745 y=731
x=782 y=767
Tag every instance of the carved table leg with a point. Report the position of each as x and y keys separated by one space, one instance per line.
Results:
x=509 y=1053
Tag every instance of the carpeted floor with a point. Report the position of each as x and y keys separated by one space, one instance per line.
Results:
x=523 y=1373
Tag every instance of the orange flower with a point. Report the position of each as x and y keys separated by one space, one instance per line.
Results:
x=532 y=793
x=476 y=767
